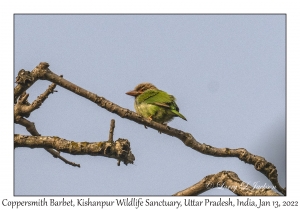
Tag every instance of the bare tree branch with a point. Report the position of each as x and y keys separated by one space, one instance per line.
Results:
x=120 y=149
x=23 y=108
x=26 y=78
x=56 y=154
x=38 y=102
x=225 y=179
x=268 y=169
x=111 y=130
x=260 y=164
x=30 y=127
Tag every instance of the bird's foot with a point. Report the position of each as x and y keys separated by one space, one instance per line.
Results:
x=149 y=118
x=167 y=127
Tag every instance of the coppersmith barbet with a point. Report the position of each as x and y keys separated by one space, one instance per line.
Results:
x=154 y=104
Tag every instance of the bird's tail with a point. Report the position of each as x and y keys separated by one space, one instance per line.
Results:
x=178 y=114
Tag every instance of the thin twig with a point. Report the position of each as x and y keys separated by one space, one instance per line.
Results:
x=111 y=130
x=23 y=108
x=57 y=155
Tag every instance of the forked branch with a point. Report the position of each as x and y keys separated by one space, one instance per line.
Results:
x=120 y=149
x=260 y=164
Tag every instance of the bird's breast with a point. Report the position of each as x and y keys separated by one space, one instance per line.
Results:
x=144 y=109
x=157 y=113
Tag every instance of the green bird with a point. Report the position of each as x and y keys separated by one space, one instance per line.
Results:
x=154 y=104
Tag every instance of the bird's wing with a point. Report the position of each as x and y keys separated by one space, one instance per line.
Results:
x=157 y=97
x=162 y=99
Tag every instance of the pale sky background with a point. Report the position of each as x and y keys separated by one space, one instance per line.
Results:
x=226 y=71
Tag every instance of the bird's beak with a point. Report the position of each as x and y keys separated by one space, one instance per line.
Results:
x=133 y=93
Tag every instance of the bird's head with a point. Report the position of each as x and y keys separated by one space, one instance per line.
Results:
x=139 y=89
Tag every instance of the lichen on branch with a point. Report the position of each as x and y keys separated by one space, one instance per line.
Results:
x=119 y=149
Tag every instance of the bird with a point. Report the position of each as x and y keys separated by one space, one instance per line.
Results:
x=155 y=104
